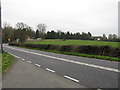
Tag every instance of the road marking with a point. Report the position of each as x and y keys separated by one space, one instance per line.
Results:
x=37 y=65
x=71 y=61
x=99 y=89
x=29 y=61
x=50 y=70
x=71 y=78
x=14 y=55
x=23 y=59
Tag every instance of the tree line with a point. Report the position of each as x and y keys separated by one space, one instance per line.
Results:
x=22 y=31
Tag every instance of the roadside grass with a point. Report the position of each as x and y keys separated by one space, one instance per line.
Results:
x=78 y=54
x=6 y=61
x=74 y=42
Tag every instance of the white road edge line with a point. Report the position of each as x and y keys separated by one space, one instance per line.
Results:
x=50 y=70
x=71 y=78
x=14 y=55
x=67 y=60
x=37 y=65
x=29 y=61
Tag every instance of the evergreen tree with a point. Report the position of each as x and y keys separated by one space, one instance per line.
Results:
x=37 y=34
x=104 y=37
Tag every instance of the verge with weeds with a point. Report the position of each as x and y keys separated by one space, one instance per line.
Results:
x=6 y=62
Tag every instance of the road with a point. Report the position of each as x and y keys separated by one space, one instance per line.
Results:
x=92 y=73
x=25 y=75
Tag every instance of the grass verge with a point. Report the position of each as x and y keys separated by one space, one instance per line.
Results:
x=6 y=61
x=78 y=54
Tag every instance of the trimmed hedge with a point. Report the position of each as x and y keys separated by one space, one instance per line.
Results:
x=88 y=49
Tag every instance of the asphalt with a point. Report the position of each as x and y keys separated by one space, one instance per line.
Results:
x=88 y=74
x=25 y=75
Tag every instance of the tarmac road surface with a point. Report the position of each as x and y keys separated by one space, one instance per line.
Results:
x=89 y=72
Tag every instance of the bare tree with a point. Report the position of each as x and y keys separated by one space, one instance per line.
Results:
x=8 y=32
x=21 y=25
x=23 y=29
x=6 y=25
x=59 y=32
x=42 y=30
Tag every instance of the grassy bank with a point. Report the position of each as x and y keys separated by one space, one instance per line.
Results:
x=75 y=42
x=7 y=60
x=79 y=54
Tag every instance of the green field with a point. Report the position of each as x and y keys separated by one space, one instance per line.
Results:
x=75 y=42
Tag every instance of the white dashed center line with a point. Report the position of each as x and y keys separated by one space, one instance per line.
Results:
x=23 y=59
x=37 y=65
x=29 y=61
x=99 y=89
x=50 y=70
x=71 y=78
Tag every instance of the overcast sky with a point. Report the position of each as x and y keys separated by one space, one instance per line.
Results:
x=95 y=16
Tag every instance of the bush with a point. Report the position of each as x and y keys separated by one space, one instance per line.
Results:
x=89 y=49
x=65 y=48
x=64 y=39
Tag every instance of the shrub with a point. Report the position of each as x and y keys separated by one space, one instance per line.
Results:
x=86 y=49
x=54 y=47
x=65 y=48
x=64 y=39
x=89 y=49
